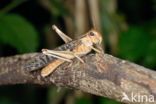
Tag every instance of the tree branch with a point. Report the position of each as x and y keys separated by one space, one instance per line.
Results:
x=102 y=75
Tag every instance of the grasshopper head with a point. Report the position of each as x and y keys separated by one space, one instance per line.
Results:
x=94 y=37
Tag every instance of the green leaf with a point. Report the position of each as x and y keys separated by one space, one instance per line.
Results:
x=133 y=43
x=18 y=32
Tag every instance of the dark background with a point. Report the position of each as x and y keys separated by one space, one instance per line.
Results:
x=128 y=28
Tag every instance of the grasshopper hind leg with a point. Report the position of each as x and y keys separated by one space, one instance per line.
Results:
x=64 y=37
x=63 y=55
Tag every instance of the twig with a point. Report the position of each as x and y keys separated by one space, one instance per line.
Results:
x=102 y=75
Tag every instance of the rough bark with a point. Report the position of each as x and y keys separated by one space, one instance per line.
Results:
x=102 y=75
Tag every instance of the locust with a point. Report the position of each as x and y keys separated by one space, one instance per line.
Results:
x=70 y=50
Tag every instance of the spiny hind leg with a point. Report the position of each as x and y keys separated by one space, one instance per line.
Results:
x=64 y=55
x=56 y=54
x=64 y=37
x=67 y=54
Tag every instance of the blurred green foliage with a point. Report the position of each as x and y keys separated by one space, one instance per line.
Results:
x=57 y=8
x=137 y=43
x=133 y=43
x=18 y=32
x=150 y=55
x=83 y=100
x=108 y=101
x=6 y=101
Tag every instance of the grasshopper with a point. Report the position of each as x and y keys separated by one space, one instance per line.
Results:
x=82 y=46
x=70 y=50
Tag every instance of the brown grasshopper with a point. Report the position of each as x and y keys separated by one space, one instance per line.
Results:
x=82 y=46
x=71 y=49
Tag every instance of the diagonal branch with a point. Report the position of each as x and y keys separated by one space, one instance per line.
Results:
x=102 y=75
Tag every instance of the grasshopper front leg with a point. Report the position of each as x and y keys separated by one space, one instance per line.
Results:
x=95 y=49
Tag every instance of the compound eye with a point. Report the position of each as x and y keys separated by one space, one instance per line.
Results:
x=91 y=33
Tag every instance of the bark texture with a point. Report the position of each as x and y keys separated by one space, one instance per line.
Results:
x=102 y=75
